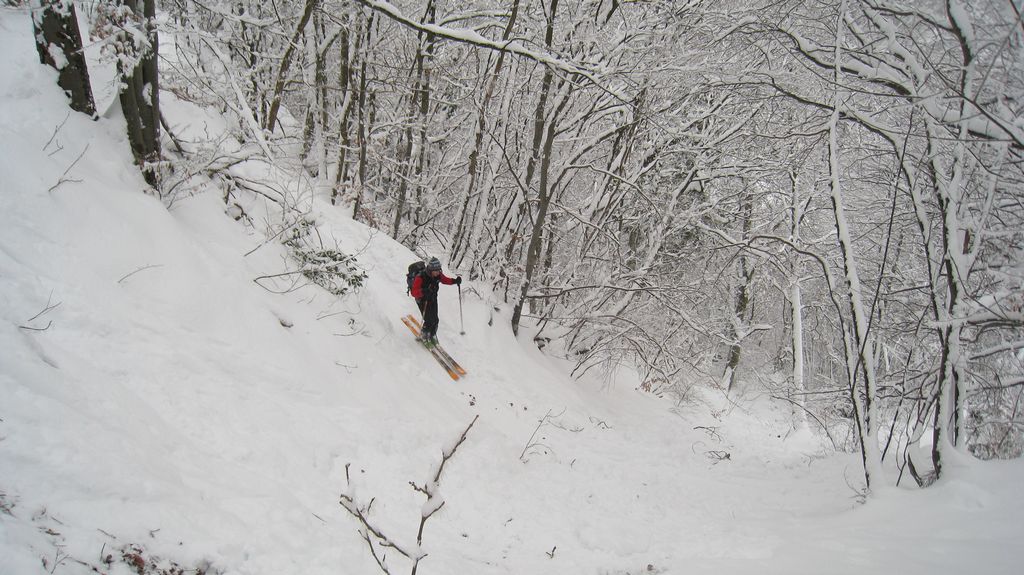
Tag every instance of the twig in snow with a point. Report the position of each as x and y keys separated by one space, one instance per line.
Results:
x=711 y=431
x=56 y=131
x=367 y=529
x=718 y=455
x=548 y=419
x=45 y=310
x=143 y=268
x=275 y=236
x=295 y=285
x=63 y=179
x=381 y=560
x=435 y=502
x=59 y=558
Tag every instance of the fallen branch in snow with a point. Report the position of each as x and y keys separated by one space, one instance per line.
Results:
x=373 y=534
x=273 y=237
x=295 y=283
x=548 y=419
x=368 y=529
x=63 y=180
x=435 y=501
x=56 y=130
x=261 y=189
x=711 y=431
x=45 y=310
x=123 y=558
x=330 y=268
x=143 y=268
x=718 y=455
x=59 y=558
x=530 y=443
x=715 y=454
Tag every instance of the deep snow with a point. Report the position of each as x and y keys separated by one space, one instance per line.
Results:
x=162 y=400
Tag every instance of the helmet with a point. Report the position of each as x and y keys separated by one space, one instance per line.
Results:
x=434 y=265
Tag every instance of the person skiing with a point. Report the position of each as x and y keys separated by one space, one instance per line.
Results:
x=424 y=289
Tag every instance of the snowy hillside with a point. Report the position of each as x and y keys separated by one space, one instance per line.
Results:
x=157 y=402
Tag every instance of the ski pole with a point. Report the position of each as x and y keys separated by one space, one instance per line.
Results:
x=462 y=326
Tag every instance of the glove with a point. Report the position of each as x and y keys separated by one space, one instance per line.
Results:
x=458 y=281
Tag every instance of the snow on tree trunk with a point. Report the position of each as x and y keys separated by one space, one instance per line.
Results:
x=543 y=141
x=345 y=91
x=286 y=62
x=475 y=216
x=796 y=303
x=59 y=43
x=140 y=83
x=862 y=356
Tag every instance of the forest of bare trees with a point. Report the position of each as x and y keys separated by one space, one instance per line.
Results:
x=822 y=200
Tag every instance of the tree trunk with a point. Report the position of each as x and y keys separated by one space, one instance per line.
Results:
x=862 y=356
x=949 y=421
x=796 y=300
x=420 y=151
x=543 y=201
x=286 y=62
x=140 y=93
x=464 y=228
x=542 y=153
x=314 y=105
x=59 y=43
x=344 y=139
x=364 y=122
x=738 y=326
x=418 y=106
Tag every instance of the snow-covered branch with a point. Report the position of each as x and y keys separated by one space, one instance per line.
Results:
x=376 y=537
x=476 y=39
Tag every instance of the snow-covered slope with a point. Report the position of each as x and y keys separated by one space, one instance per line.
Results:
x=152 y=394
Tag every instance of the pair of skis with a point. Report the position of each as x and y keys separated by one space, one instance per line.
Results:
x=455 y=371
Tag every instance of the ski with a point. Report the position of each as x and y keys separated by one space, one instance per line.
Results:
x=452 y=373
x=455 y=365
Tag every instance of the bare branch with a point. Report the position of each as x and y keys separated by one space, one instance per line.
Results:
x=63 y=179
x=47 y=309
x=143 y=268
x=470 y=37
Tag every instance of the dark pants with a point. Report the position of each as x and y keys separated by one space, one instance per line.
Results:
x=428 y=308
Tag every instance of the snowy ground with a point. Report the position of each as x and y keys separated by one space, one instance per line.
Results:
x=152 y=395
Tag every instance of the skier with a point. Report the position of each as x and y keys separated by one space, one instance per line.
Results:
x=424 y=289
